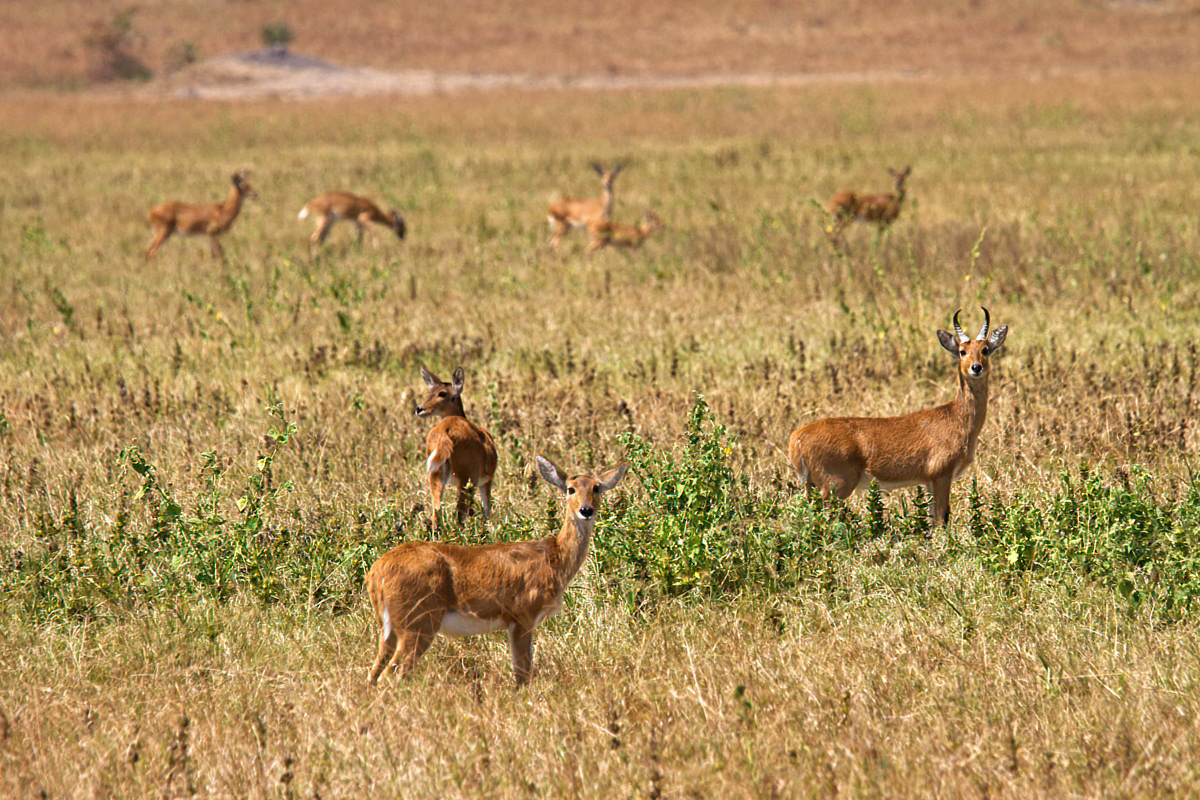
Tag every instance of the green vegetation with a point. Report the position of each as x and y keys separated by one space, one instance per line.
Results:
x=199 y=459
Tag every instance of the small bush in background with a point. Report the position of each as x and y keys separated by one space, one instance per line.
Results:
x=277 y=37
x=180 y=55
x=112 y=50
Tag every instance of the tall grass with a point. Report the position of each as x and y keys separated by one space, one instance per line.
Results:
x=198 y=458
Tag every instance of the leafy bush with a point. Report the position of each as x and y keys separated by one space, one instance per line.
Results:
x=112 y=50
x=277 y=36
x=1116 y=532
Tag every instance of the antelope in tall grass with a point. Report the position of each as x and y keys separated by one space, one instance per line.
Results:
x=421 y=589
x=882 y=209
x=603 y=234
x=573 y=212
x=460 y=452
x=328 y=207
x=193 y=219
x=929 y=448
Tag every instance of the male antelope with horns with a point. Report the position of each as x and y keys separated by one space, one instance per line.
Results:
x=929 y=448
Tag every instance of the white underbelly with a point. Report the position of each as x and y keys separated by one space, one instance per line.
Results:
x=456 y=624
x=865 y=482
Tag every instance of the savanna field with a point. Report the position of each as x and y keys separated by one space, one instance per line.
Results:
x=200 y=458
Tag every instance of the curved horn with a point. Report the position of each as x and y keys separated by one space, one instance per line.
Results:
x=987 y=321
x=958 y=331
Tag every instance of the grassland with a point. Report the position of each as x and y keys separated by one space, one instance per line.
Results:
x=182 y=567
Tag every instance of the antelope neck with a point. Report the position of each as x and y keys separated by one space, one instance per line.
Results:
x=971 y=402
x=572 y=541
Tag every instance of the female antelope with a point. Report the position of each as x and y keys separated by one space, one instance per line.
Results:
x=607 y=233
x=460 y=452
x=882 y=209
x=328 y=207
x=572 y=212
x=929 y=448
x=194 y=219
x=421 y=589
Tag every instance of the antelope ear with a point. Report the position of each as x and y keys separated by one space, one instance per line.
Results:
x=996 y=340
x=597 y=167
x=617 y=169
x=458 y=380
x=430 y=379
x=553 y=475
x=610 y=479
x=949 y=341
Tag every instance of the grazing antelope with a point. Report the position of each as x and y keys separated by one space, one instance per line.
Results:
x=572 y=212
x=603 y=234
x=459 y=451
x=420 y=589
x=192 y=219
x=929 y=448
x=882 y=209
x=329 y=207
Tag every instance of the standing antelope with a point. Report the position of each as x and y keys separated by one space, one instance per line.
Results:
x=572 y=212
x=459 y=451
x=929 y=448
x=329 y=207
x=882 y=209
x=607 y=233
x=192 y=219
x=420 y=589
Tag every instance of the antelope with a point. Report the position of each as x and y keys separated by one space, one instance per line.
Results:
x=572 y=212
x=459 y=451
x=603 y=234
x=420 y=589
x=929 y=448
x=882 y=209
x=329 y=207
x=192 y=219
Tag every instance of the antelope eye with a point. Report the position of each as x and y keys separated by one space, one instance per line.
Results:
x=986 y=351
x=441 y=394
x=570 y=490
x=962 y=353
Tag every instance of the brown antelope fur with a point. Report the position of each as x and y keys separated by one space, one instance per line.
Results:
x=573 y=212
x=459 y=451
x=929 y=448
x=328 y=207
x=420 y=589
x=193 y=219
x=882 y=209
x=603 y=234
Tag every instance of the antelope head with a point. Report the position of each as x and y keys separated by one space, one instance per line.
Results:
x=244 y=188
x=607 y=176
x=444 y=399
x=973 y=354
x=398 y=224
x=581 y=492
x=900 y=177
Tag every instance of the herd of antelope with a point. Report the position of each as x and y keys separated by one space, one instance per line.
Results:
x=422 y=588
x=214 y=219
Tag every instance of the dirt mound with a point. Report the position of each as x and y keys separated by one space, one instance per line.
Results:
x=276 y=73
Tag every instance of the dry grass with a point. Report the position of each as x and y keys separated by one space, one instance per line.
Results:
x=905 y=671
x=44 y=43
x=868 y=695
